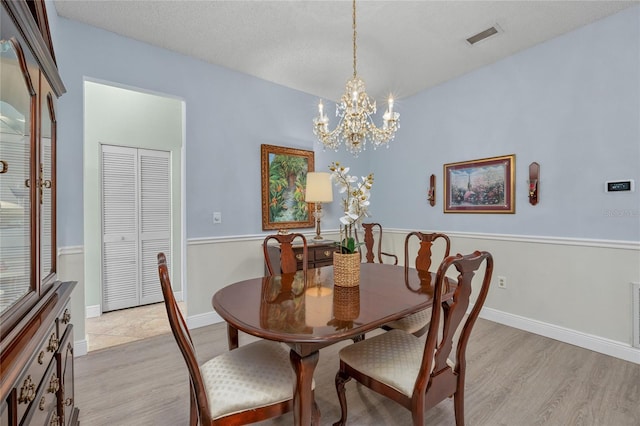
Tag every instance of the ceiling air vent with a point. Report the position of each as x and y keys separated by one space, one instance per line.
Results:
x=482 y=35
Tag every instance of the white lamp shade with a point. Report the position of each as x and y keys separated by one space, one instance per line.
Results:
x=319 y=189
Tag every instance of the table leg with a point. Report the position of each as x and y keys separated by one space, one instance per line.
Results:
x=305 y=411
x=232 y=337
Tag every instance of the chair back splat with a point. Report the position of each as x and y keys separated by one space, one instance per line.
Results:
x=373 y=247
x=427 y=373
x=288 y=260
x=249 y=384
x=423 y=260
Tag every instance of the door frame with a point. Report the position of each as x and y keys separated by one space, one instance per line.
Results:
x=110 y=118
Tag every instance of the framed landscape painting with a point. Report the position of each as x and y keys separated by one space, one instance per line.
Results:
x=284 y=179
x=480 y=186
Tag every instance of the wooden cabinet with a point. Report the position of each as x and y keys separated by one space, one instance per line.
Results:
x=36 y=346
x=37 y=368
x=320 y=254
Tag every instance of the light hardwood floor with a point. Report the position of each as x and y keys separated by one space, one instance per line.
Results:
x=514 y=378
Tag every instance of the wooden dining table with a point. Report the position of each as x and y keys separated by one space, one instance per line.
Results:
x=309 y=313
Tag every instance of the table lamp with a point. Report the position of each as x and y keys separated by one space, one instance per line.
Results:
x=318 y=191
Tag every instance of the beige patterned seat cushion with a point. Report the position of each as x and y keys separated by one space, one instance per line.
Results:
x=252 y=376
x=413 y=322
x=392 y=358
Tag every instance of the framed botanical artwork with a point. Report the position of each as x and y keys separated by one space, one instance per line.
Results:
x=284 y=178
x=480 y=186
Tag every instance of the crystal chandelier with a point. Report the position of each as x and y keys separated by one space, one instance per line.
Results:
x=355 y=110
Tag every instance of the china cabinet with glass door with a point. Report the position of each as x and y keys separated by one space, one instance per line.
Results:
x=36 y=347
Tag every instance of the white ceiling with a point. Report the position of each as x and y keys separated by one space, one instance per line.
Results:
x=403 y=46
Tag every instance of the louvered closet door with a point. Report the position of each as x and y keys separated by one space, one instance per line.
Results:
x=119 y=228
x=155 y=220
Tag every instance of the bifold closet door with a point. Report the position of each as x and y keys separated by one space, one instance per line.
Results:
x=136 y=224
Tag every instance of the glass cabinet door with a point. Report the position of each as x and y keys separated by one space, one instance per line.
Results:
x=17 y=99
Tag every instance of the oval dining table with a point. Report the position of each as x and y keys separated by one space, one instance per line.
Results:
x=309 y=313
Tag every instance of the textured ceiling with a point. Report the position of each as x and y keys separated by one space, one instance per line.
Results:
x=403 y=46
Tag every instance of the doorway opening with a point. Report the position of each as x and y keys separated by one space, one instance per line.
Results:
x=152 y=127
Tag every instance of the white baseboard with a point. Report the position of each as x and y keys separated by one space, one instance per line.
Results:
x=93 y=311
x=202 y=320
x=583 y=340
x=80 y=347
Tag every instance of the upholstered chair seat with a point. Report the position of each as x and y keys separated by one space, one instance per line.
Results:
x=252 y=376
x=392 y=358
x=413 y=323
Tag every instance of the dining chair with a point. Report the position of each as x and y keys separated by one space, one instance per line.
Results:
x=373 y=246
x=249 y=384
x=418 y=323
x=420 y=373
x=288 y=259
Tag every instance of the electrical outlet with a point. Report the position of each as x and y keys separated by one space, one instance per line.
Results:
x=217 y=217
x=502 y=282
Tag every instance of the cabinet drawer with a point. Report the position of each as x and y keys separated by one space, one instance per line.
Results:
x=320 y=254
x=27 y=385
x=44 y=409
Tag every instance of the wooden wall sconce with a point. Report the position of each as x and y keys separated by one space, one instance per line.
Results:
x=432 y=191
x=534 y=183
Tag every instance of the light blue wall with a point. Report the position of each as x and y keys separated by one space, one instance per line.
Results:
x=572 y=104
x=228 y=116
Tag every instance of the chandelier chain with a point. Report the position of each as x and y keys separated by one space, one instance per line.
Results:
x=355 y=72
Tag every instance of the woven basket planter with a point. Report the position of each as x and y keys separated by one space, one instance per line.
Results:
x=346 y=269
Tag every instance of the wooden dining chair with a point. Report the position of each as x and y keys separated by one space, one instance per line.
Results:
x=287 y=257
x=288 y=261
x=249 y=384
x=373 y=246
x=418 y=323
x=420 y=373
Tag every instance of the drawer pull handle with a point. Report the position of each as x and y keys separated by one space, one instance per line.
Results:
x=299 y=256
x=53 y=343
x=66 y=317
x=41 y=357
x=68 y=401
x=27 y=391
x=5 y=167
x=41 y=405
x=327 y=253
x=54 y=384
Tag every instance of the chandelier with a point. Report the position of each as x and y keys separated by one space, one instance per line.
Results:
x=355 y=110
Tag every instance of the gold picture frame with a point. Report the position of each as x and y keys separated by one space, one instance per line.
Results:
x=480 y=186
x=284 y=175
